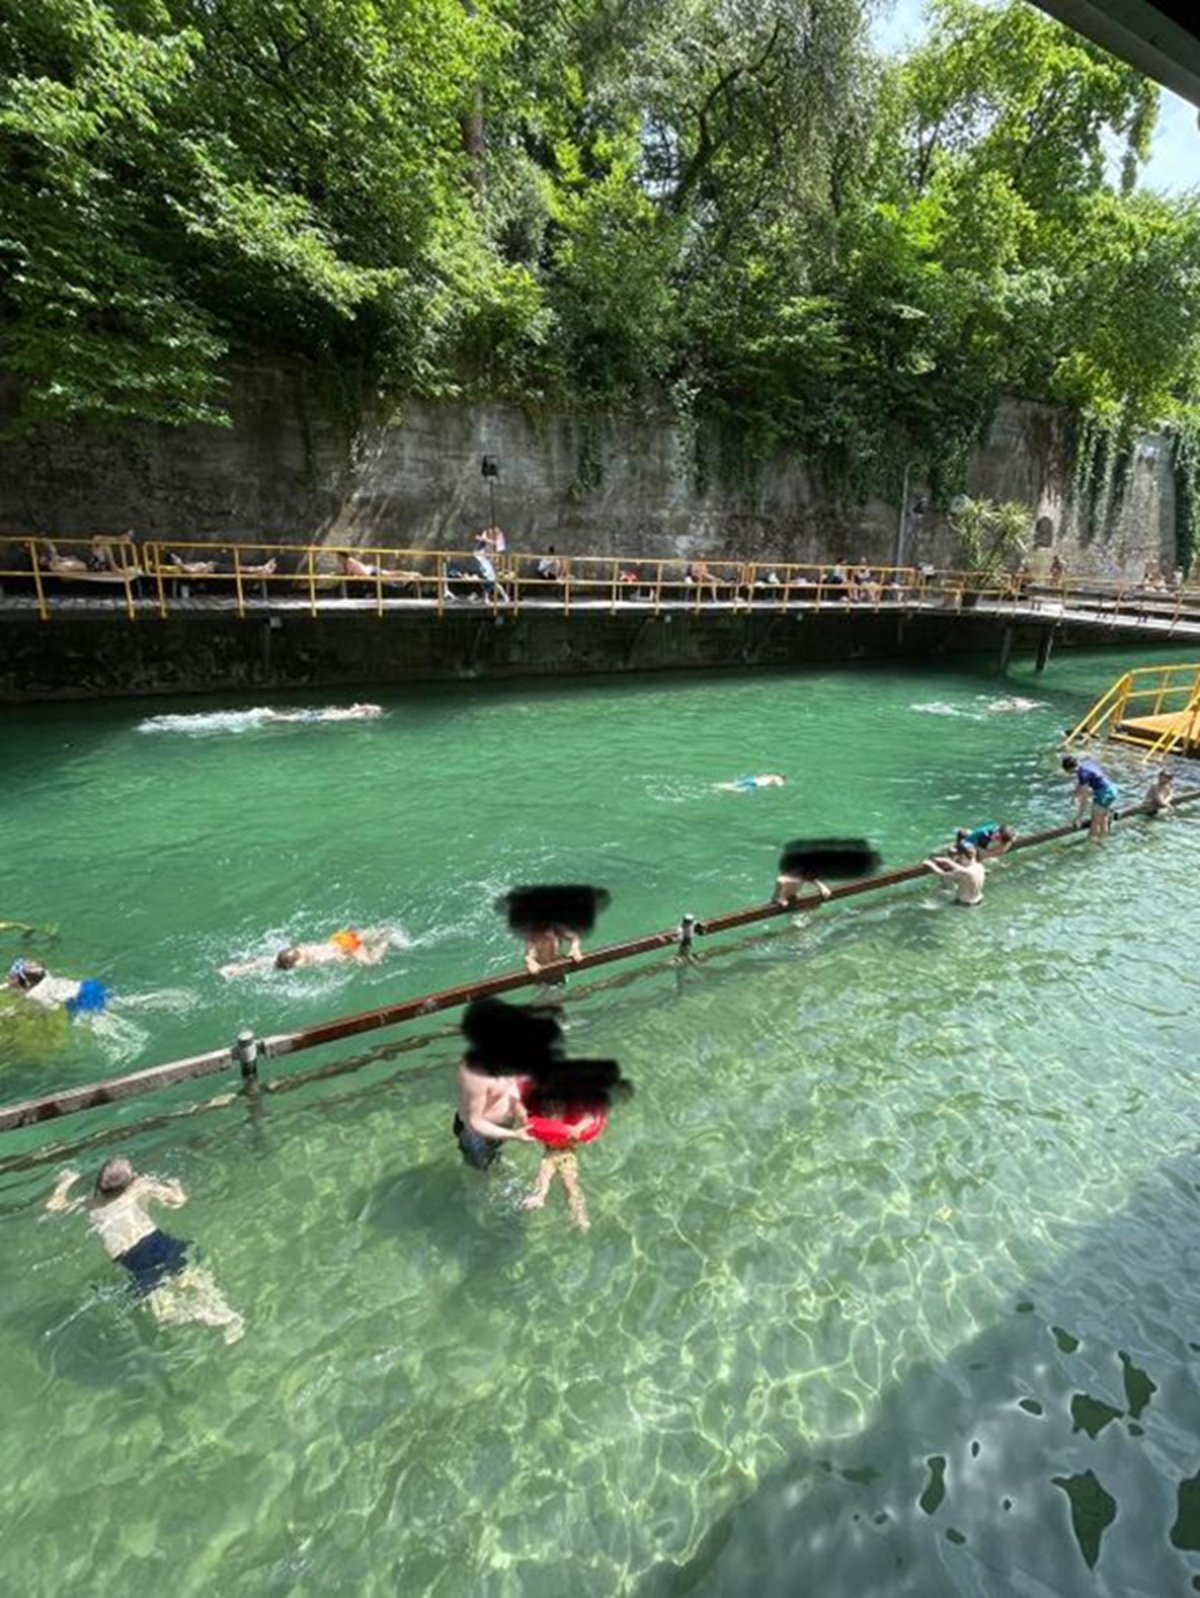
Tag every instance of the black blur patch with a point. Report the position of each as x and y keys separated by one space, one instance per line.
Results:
x=574 y=906
x=839 y=858
x=508 y=1040
x=577 y=1084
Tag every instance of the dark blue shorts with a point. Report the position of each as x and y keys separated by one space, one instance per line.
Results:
x=152 y=1259
x=477 y=1150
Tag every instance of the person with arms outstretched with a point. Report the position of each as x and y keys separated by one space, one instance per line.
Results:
x=173 y=1289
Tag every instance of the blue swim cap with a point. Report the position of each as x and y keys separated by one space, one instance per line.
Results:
x=18 y=968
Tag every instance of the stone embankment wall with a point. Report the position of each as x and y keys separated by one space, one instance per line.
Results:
x=299 y=463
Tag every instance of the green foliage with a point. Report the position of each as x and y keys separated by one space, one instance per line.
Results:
x=725 y=205
x=990 y=534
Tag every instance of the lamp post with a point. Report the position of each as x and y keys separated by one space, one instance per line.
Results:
x=491 y=470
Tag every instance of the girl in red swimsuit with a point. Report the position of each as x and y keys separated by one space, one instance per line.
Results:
x=561 y=1128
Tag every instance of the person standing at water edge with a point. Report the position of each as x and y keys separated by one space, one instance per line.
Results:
x=1094 y=784
x=967 y=872
x=174 y=1290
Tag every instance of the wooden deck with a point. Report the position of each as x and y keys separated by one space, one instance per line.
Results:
x=1182 y=725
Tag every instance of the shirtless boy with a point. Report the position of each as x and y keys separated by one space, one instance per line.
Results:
x=966 y=871
x=488 y=1107
x=174 y=1290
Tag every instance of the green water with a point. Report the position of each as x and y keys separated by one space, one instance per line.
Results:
x=891 y=1285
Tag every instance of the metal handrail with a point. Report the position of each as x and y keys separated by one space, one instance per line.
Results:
x=306 y=572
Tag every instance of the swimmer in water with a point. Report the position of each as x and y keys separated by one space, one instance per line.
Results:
x=363 y=948
x=965 y=870
x=30 y=978
x=1159 y=795
x=1014 y=706
x=174 y=1290
x=768 y=779
x=788 y=889
x=560 y=1161
x=328 y=713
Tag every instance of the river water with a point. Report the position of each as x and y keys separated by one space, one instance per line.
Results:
x=891 y=1284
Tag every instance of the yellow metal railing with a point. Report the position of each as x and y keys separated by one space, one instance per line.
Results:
x=173 y=575
x=1146 y=692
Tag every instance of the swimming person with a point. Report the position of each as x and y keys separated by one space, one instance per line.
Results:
x=966 y=872
x=768 y=779
x=1094 y=784
x=30 y=978
x=1159 y=795
x=173 y=1289
x=327 y=713
x=363 y=948
x=788 y=889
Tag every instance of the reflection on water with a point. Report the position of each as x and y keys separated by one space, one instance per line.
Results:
x=891 y=1285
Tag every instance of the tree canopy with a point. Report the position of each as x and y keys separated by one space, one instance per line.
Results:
x=732 y=206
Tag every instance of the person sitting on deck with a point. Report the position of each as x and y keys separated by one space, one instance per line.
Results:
x=30 y=978
x=1159 y=795
x=487 y=571
x=549 y=568
x=701 y=577
x=965 y=870
x=1097 y=786
x=174 y=1290
x=837 y=579
x=361 y=948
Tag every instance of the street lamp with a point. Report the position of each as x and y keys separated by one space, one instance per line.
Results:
x=491 y=470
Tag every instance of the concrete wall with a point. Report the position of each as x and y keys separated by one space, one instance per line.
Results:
x=300 y=462
x=98 y=656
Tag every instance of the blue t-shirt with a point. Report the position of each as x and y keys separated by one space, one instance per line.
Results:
x=1091 y=776
x=982 y=836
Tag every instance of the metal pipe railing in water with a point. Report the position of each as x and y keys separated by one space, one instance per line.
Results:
x=247 y=1051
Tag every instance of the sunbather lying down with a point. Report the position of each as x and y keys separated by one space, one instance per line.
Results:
x=351 y=566
x=206 y=568
x=100 y=561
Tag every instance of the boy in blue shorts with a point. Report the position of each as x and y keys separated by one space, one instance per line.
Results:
x=1095 y=785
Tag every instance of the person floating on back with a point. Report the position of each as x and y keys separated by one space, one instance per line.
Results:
x=173 y=1289
x=1160 y=795
x=1091 y=783
x=964 y=869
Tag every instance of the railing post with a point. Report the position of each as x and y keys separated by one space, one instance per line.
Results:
x=379 y=582
x=567 y=586
x=245 y=1052
x=687 y=933
x=43 y=613
x=658 y=589
x=439 y=577
x=237 y=581
x=312 y=580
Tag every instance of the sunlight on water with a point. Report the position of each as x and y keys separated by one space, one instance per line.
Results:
x=891 y=1282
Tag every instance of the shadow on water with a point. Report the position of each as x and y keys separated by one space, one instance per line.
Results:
x=1056 y=1453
